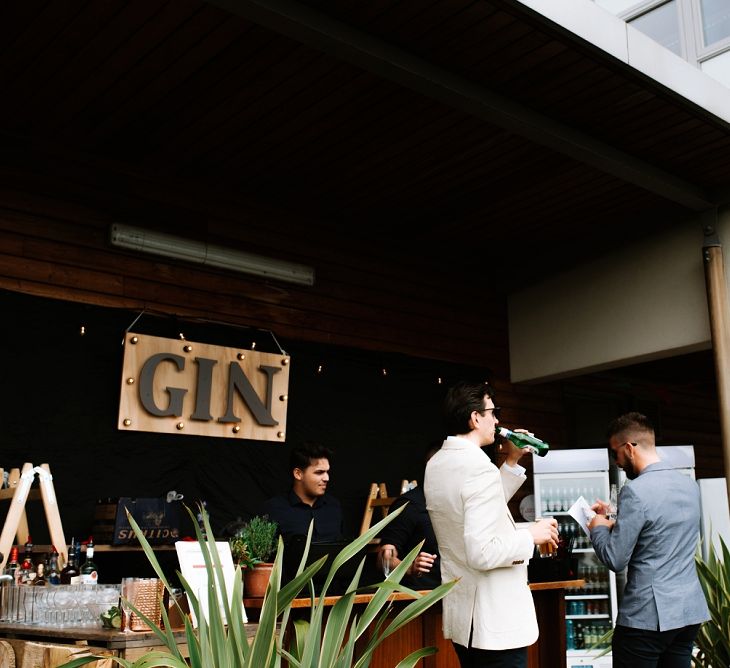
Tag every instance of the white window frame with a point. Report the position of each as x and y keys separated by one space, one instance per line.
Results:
x=705 y=52
x=691 y=39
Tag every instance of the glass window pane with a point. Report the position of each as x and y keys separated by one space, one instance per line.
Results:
x=662 y=25
x=715 y=20
x=718 y=68
x=616 y=6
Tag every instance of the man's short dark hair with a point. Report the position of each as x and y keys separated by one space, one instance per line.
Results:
x=462 y=399
x=307 y=453
x=629 y=422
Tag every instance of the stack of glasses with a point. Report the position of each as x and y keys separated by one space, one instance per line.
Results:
x=58 y=605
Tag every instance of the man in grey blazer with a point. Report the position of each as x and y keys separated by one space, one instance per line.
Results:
x=655 y=534
x=489 y=615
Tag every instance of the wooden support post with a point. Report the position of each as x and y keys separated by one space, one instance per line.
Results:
x=717 y=302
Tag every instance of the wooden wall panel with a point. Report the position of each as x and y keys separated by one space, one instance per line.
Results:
x=56 y=245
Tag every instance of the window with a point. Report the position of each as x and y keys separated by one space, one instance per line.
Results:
x=662 y=25
x=715 y=16
x=696 y=30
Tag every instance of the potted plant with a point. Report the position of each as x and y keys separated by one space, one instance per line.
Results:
x=252 y=548
x=713 y=639
x=221 y=639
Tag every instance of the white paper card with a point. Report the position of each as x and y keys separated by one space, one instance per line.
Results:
x=192 y=566
x=581 y=512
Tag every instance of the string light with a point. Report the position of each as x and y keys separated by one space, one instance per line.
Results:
x=319 y=368
x=439 y=380
x=82 y=331
x=253 y=345
x=182 y=336
x=385 y=372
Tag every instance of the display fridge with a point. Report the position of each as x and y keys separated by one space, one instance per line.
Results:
x=560 y=478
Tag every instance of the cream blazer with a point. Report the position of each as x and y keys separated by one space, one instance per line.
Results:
x=479 y=544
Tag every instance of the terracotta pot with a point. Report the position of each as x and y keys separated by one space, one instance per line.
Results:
x=256 y=579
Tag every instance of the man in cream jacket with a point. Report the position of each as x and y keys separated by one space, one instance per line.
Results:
x=489 y=615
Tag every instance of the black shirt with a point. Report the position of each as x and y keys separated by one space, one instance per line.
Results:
x=293 y=516
x=411 y=527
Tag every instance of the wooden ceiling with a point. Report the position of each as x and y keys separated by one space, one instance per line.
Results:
x=465 y=131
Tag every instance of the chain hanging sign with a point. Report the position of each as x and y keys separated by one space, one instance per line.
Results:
x=182 y=387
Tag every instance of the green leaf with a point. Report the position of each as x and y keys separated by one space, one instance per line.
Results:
x=414 y=657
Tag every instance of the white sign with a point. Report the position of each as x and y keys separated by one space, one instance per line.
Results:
x=192 y=567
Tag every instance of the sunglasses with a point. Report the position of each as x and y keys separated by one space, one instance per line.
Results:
x=496 y=411
x=613 y=454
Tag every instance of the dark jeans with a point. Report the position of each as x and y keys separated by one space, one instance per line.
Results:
x=491 y=658
x=638 y=648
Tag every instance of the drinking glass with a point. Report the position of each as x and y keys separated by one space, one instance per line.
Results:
x=387 y=557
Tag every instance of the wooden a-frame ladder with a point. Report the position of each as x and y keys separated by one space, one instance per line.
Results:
x=16 y=521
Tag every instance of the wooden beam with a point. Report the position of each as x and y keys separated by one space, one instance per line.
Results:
x=357 y=47
x=717 y=302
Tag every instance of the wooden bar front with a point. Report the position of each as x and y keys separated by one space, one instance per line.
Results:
x=548 y=652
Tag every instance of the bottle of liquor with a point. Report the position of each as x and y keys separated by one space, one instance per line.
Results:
x=89 y=572
x=54 y=576
x=40 y=578
x=13 y=566
x=27 y=568
x=525 y=441
x=70 y=573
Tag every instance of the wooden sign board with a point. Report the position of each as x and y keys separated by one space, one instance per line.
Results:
x=182 y=387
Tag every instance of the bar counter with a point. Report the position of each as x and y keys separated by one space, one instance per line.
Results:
x=548 y=652
x=425 y=630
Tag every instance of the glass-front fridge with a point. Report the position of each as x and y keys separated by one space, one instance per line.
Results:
x=560 y=478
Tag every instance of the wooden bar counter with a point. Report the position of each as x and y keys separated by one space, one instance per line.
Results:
x=425 y=630
x=548 y=652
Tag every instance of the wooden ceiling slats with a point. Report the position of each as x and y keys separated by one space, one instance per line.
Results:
x=404 y=146
x=41 y=87
x=324 y=97
x=216 y=129
x=106 y=54
x=199 y=38
x=459 y=15
x=447 y=177
x=16 y=18
x=204 y=75
x=523 y=66
x=24 y=50
x=403 y=16
x=426 y=24
x=126 y=61
x=334 y=123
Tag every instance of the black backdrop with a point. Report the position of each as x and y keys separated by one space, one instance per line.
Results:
x=60 y=392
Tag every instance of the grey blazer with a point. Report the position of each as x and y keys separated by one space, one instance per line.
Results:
x=656 y=536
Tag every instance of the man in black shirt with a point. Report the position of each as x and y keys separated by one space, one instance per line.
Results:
x=308 y=499
x=405 y=532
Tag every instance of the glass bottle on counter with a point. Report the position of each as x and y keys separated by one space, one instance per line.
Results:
x=70 y=573
x=27 y=568
x=89 y=572
x=40 y=577
x=13 y=567
x=53 y=577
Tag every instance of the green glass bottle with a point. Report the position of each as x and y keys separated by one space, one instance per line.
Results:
x=525 y=441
